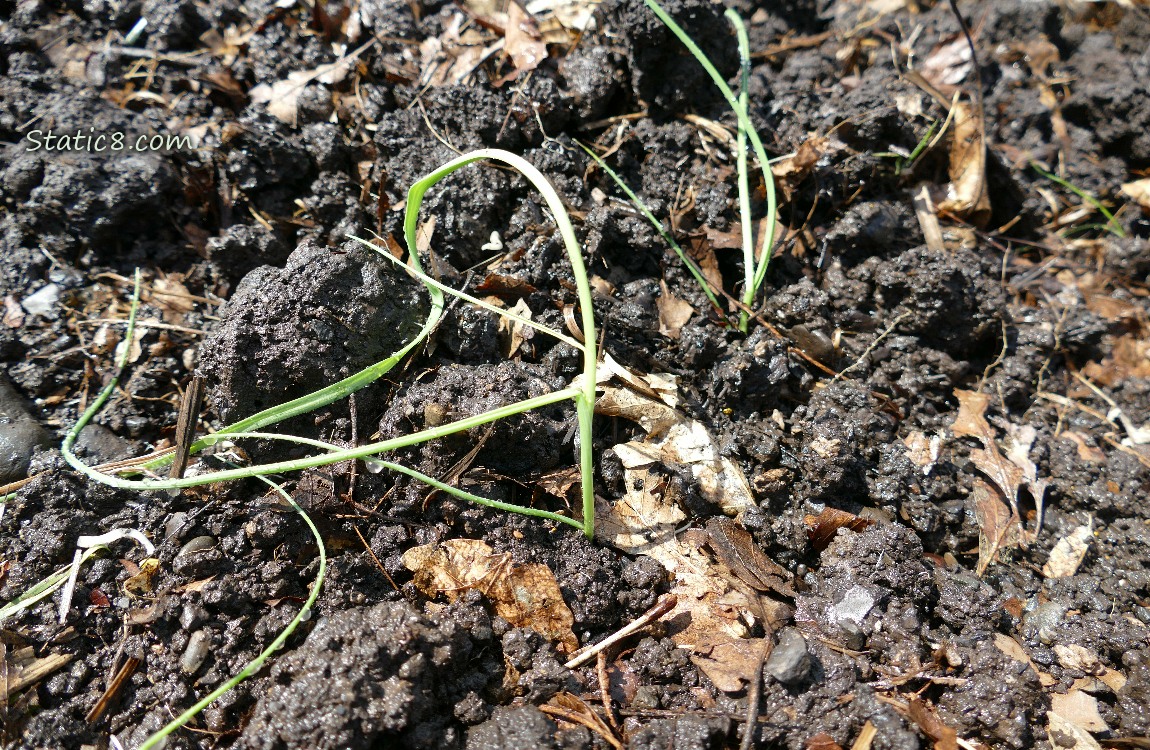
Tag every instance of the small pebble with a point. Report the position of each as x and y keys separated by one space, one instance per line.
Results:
x=43 y=301
x=199 y=544
x=175 y=524
x=789 y=662
x=18 y=441
x=196 y=652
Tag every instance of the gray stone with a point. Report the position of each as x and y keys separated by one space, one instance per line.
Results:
x=789 y=662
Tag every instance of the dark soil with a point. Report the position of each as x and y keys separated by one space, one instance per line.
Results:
x=250 y=281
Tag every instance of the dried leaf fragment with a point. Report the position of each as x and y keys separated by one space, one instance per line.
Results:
x=823 y=527
x=1139 y=191
x=922 y=450
x=730 y=663
x=998 y=526
x=944 y=737
x=1068 y=554
x=522 y=40
x=673 y=312
x=524 y=595
x=967 y=196
x=1066 y=734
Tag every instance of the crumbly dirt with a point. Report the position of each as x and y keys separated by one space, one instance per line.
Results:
x=845 y=394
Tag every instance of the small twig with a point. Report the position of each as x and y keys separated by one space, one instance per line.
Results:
x=663 y=606
x=872 y=346
x=113 y=689
x=186 y=425
x=577 y=718
x=605 y=687
x=754 y=697
x=378 y=564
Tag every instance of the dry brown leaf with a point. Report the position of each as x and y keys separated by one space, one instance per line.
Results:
x=1128 y=358
x=944 y=737
x=512 y=333
x=1067 y=735
x=947 y=64
x=1086 y=452
x=966 y=196
x=524 y=595
x=522 y=41
x=821 y=741
x=702 y=250
x=644 y=521
x=998 y=527
x=1008 y=472
x=1139 y=191
x=282 y=96
x=672 y=438
x=673 y=312
x=824 y=526
x=1014 y=650
x=730 y=663
x=170 y=295
x=1073 y=656
x=1068 y=554
x=13 y=313
x=505 y=286
x=1079 y=708
x=792 y=170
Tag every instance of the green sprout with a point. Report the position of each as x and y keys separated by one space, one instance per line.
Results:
x=582 y=392
x=1111 y=225
x=754 y=271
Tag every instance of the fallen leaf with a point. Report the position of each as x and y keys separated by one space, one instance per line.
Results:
x=944 y=737
x=1139 y=190
x=673 y=312
x=1128 y=358
x=1014 y=650
x=524 y=595
x=730 y=663
x=523 y=43
x=512 y=333
x=13 y=312
x=821 y=741
x=1080 y=709
x=792 y=170
x=947 y=64
x=1073 y=656
x=1086 y=452
x=169 y=294
x=1008 y=472
x=505 y=286
x=282 y=97
x=998 y=526
x=1068 y=554
x=823 y=527
x=966 y=196
x=1067 y=735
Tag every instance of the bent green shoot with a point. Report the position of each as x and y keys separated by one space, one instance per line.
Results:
x=582 y=392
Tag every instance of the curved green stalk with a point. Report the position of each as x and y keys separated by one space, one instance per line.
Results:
x=254 y=665
x=741 y=167
x=583 y=395
x=741 y=113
